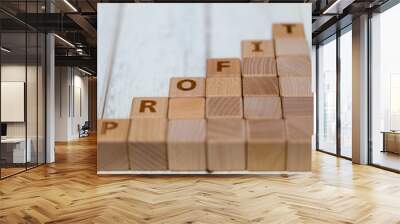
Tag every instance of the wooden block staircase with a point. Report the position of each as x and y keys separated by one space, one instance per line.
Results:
x=248 y=115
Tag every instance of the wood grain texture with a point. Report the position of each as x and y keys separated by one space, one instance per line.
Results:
x=258 y=66
x=288 y=30
x=224 y=107
x=225 y=86
x=262 y=107
x=258 y=48
x=186 y=108
x=298 y=65
x=260 y=86
x=392 y=142
x=300 y=128
x=266 y=145
x=187 y=87
x=149 y=107
x=298 y=156
x=299 y=131
x=112 y=152
x=297 y=106
x=223 y=67
x=70 y=191
x=291 y=47
x=187 y=145
x=226 y=149
x=147 y=144
x=295 y=86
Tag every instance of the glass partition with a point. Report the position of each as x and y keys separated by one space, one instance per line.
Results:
x=22 y=63
x=14 y=155
x=346 y=93
x=385 y=90
x=327 y=96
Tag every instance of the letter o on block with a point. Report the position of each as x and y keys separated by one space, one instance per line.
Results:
x=186 y=84
x=187 y=87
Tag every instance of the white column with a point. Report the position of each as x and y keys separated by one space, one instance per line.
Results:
x=50 y=99
x=360 y=90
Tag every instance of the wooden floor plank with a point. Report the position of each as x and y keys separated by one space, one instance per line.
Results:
x=69 y=191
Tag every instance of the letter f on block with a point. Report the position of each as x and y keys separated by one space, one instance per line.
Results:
x=222 y=64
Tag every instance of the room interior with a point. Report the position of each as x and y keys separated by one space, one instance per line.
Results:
x=49 y=91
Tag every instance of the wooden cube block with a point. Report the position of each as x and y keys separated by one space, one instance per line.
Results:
x=300 y=127
x=258 y=48
x=223 y=67
x=295 y=86
x=149 y=107
x=266 y=145
x=260 y=86
x=226 y=144
x=299 y=131
x=186 y=108
x=112 y=151
x=224 y=107
x=223 y=87
x=147 y=144
x=258 y=66
x=297 y=106
x=262 y=107
x=295 y=30
x=294 y=66
x=187 y=145
x=291 y=47
x=187 y=87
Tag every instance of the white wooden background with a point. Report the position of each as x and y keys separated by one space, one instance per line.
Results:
x=140 y=46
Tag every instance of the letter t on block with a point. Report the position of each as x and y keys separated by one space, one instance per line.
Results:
x=149 y=107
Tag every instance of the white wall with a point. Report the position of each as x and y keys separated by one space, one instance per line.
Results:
x=140 y=46
x=70 y=83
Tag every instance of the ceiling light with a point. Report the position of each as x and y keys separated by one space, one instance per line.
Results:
x=84 y=71
x=70 y=5
x=65 y=41
x=5 y=50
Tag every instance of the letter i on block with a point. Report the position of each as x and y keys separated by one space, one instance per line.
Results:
x=148 y=132
x=112 y=151
x=258 y=58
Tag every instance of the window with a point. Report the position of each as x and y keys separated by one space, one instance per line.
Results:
x=22 y=77
x=327 y=97
x=385 y=89
x=346 y=93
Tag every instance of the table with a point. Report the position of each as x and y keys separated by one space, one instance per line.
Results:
x=391 y=141
x=13 y=150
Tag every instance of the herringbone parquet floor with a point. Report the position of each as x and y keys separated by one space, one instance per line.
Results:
x=69 y=191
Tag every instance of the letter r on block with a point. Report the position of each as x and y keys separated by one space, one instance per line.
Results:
x=147 y=104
